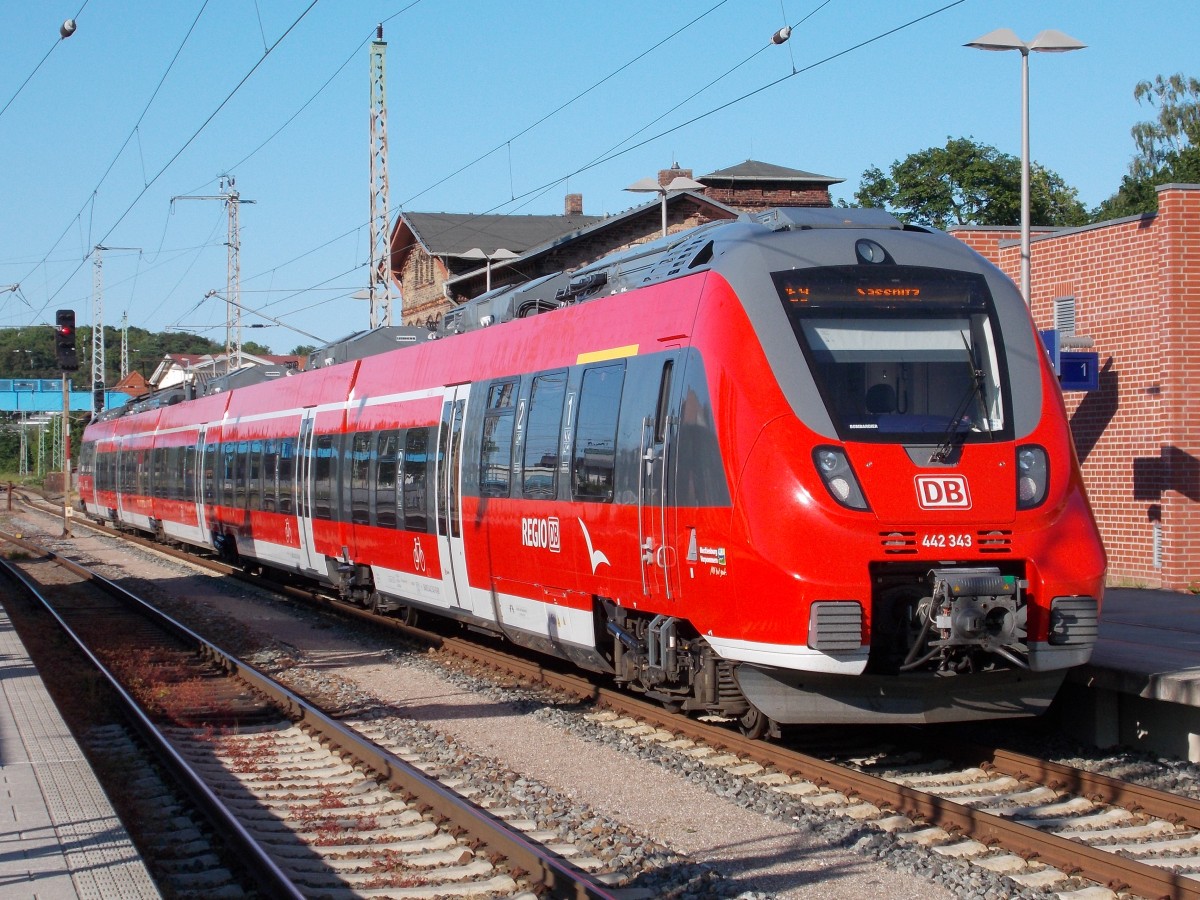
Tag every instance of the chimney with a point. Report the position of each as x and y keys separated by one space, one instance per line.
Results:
x=666 y=176
x=573 y=205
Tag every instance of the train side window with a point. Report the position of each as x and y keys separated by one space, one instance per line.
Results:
x=189 y=472
x=242 y=452
x=664 y=400
x=254 y=476
x=324 y=456
x=540 y=470
x=361 y=452
x=495 y=454
x=594 y=462
x=228 y=467
x=270 y=464
x=210 y=473
x=386 y=471
x=416 y=479
x=287 y=474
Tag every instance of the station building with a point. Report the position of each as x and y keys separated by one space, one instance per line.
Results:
x=440 y=260
x=1133 y=286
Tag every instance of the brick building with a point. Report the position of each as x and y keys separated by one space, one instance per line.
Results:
x=439 y=260
x=1133 y=286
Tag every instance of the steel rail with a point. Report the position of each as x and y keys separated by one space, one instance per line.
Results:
x=1071 y=856
x=547 y=869
x=260 y=865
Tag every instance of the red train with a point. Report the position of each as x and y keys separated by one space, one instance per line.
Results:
x=809 y=466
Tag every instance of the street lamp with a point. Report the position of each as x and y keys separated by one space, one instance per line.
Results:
x=500 y=254
x=1049 y=41
x=651 y=186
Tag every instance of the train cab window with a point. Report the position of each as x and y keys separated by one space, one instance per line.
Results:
x=362 y=451
x=416 y=480
x=323 y=469
x=286 y=475
x=543 y=435
x=594 y=461
x=495 y=454
x=387 y=450
x=912 y=355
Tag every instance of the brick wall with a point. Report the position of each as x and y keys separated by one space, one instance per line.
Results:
x=1136 y=284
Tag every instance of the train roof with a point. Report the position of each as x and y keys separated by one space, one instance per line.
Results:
x=667 y=258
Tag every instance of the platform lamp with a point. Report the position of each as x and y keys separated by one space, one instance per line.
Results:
x=676 y=184
x=1049 y=41
x=499 y=255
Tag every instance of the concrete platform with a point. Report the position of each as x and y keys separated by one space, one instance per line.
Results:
x=59 y=837
x=1142 y=686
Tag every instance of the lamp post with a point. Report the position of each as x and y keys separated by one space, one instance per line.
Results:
x=1049 y=41
x=500 y=254
x=651 y=186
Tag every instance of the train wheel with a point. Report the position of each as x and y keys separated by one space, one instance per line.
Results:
x=753 y=724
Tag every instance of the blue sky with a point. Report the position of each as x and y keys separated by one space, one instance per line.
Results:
x=493 y=107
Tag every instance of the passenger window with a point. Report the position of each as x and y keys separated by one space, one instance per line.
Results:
x=416 y=477
x=495 y=454
x=388 y=449
x=594 y=463
x=324 y=463
x=287 y=473
x=254 y=480
x=540 y=470
x=362 y=451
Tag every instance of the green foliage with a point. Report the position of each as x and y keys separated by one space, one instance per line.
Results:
x=302 y=350
x=967 y=183
x=1168 y=146
x=29 y=352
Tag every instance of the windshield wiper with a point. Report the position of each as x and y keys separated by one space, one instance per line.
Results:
x=942 y=452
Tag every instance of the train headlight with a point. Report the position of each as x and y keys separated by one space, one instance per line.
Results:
x=1033 y=476
x=839 y=478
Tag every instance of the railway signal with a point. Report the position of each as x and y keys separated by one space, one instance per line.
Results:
x=64 y=340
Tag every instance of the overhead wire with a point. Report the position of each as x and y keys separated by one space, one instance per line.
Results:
x=619 y=151
x=133 y=131
x=188 y=142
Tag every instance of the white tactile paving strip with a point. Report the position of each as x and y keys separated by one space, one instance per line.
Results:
x=59 y=836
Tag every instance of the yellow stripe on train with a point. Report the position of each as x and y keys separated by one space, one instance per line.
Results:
x=611 y=353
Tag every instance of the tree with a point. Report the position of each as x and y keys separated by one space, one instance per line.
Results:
x=1168 y=146
x=967 y=183
x=302 y=350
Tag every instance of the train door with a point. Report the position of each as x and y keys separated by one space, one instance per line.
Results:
x=656 y=513
x=451 y=547
x=310 y=560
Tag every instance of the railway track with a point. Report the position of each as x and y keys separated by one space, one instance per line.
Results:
x=1043 y=825
x=310 y=807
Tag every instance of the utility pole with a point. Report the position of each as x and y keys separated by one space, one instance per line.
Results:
x=381 y=257
x=233 y=269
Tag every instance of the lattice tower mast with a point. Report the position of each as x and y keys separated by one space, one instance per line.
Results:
x=124 y=344
x=98 y=329
x=233 y=269
x=98 y=326
x=380 y=286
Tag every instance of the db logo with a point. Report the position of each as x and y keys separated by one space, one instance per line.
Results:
x=943 y=492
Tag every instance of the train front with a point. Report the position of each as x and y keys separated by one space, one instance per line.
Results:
x=923 y=549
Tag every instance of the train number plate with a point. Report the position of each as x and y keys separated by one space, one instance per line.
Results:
x=941 y=540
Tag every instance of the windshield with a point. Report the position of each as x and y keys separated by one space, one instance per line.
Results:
x=910 y=355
